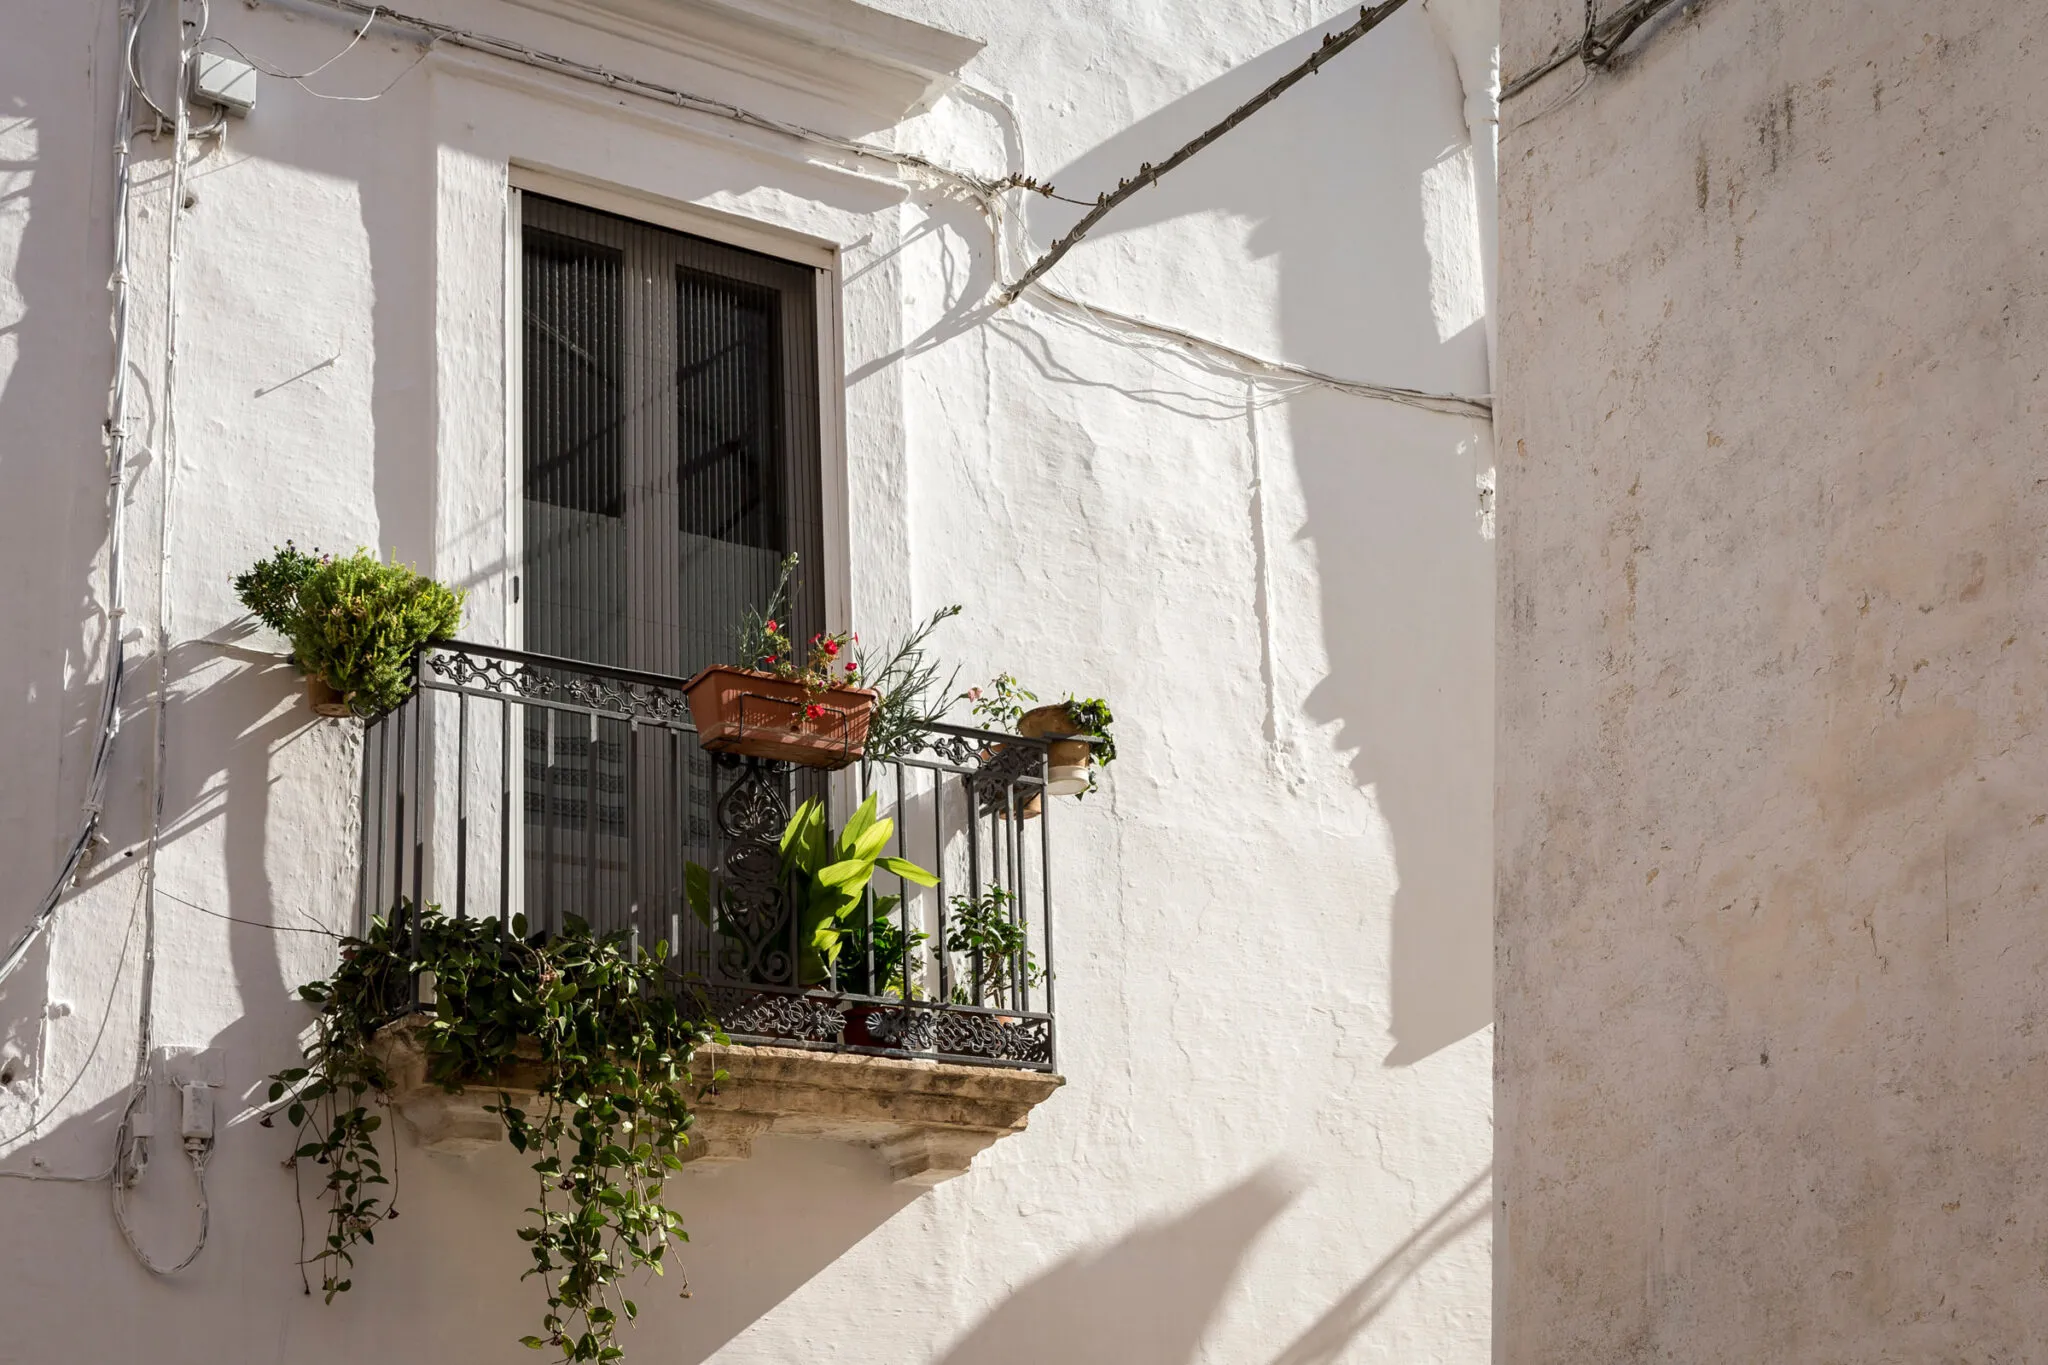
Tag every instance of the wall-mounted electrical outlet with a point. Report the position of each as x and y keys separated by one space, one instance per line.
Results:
x=195 y=1109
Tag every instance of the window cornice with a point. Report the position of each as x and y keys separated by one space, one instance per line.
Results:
x=876 y=64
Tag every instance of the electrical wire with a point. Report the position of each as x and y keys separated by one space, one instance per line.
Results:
x=109 y=724
x=1596 y=45
x=92 y=1054
x=304 y=75
x=199 y=1152
x=301 y=79
x=986 y=194
x=252 y=923
x=1369 y=18
x=131 y=1154
x=134 y=75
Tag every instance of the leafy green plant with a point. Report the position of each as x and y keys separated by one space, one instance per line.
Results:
x=823 y=877
x=608 y=1124
x=360 y=621
x=986 y=929
x=1091 y=717
x=270 y=587
x=1000 y=705
x=875 y=949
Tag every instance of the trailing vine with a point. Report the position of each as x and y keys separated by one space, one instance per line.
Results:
x=607 y=1125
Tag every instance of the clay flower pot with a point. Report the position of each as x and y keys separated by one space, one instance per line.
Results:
x=742 y=711
x=322 y=697
x=1067 y=759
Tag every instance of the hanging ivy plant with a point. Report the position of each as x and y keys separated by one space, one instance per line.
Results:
x=608 y=1123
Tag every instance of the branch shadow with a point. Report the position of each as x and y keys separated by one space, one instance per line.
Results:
x=1146 y=1299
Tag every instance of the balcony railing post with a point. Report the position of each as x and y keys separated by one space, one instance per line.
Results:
x=506 y=757
x=629 y=808
x=461 y=806
x=1045 y=896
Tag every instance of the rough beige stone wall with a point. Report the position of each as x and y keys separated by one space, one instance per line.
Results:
x=1772 y=822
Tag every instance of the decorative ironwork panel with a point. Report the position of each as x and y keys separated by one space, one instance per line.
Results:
x=747 y=1013
x=755 y=931
x=995 y=1037
x=591 y=689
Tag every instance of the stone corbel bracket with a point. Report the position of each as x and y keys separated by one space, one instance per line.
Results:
x=926 y=1120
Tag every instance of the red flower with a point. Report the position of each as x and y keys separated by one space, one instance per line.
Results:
x=852 y=667
x=767 y=658
x=773 y=626
x=814 y=711
x=831 y=648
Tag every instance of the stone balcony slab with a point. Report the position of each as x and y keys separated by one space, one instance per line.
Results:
x=925 y=1119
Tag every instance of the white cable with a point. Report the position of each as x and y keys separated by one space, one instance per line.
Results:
x=106 y=1017
x=109 y=725
x=304 y=75
x=134 y=75
x=131 y=1151
x=986 y=194
x=199 y=1152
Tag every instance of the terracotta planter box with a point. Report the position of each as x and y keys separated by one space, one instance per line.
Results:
x=740 y=711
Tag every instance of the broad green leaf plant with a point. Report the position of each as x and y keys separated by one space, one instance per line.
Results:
x=824 y=878
x=608 y=1124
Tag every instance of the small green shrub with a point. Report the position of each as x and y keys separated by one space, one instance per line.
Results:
x=987 y=928
x=1091 y=717
x=355 y=621
x=360 y=621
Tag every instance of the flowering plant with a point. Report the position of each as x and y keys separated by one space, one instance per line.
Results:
x=827 y=662
x=763 y=642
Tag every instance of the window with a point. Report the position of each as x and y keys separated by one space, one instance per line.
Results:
x=670 y=457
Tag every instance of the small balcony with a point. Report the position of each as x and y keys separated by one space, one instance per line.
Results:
x=516 y=786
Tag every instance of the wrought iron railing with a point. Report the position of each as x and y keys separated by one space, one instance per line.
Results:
x=517 y=785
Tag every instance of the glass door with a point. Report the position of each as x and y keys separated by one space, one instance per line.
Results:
x=670 y=459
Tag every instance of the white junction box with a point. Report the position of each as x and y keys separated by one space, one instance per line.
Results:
x=224 y=82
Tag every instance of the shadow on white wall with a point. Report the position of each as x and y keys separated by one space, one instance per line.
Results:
x=1334 y=176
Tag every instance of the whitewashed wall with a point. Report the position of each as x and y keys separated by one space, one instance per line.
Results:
x=1274 y=935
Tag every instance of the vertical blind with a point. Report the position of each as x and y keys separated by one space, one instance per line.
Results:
x=669 y=461
x=671 y=438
